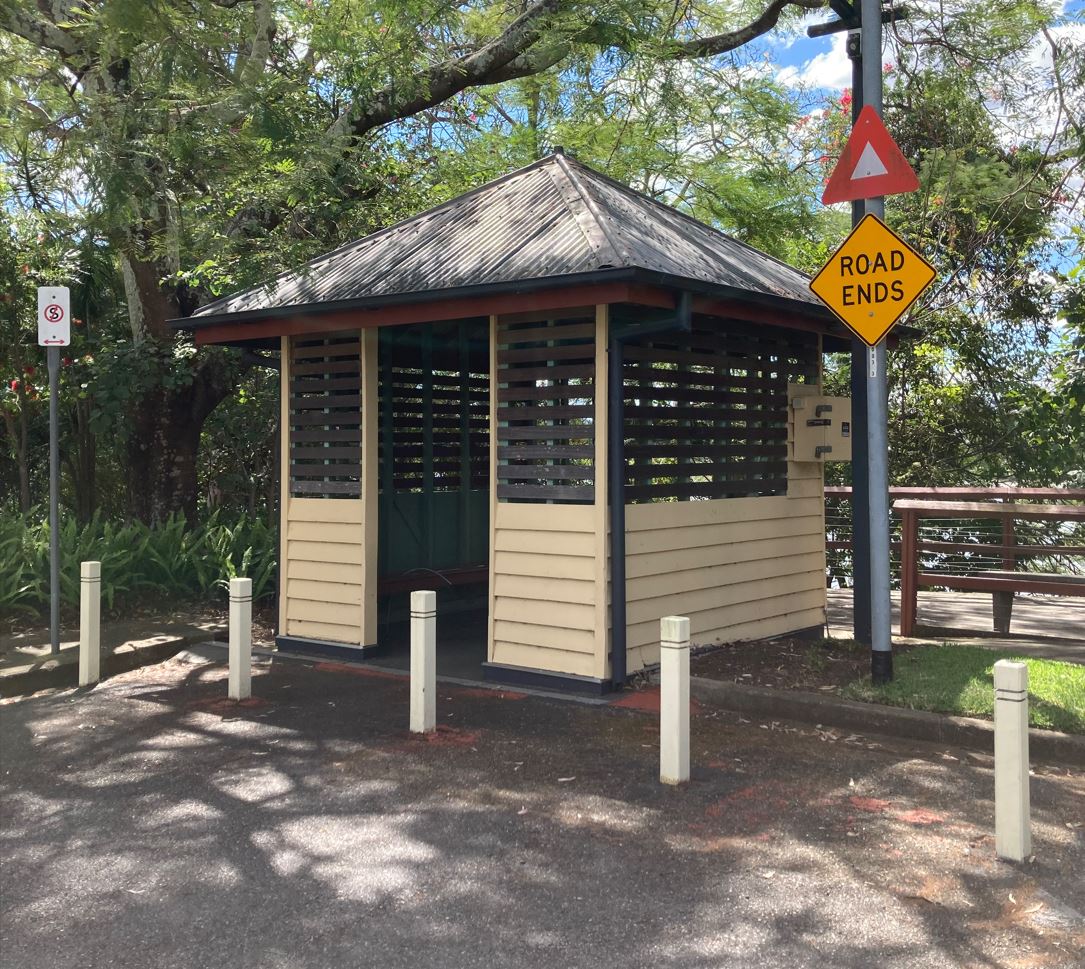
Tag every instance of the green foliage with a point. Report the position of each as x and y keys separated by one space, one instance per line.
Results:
x=960 y=680
x=169 y=563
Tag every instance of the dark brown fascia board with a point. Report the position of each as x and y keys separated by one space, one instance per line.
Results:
x=640 y=286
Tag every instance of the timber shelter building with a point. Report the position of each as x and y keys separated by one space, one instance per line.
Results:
x=568 y=408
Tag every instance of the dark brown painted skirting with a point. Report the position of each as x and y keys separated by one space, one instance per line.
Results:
x=543 y=680
x=320 y=647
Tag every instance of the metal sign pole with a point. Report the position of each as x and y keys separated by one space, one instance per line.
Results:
x=53 y=357
x=881 y=655
x=860 y=507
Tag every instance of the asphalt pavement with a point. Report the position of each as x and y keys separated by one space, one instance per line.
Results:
x=150 y=823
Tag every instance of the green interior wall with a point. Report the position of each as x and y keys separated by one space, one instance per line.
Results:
x=427 y=528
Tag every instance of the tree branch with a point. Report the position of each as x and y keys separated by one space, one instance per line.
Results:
x=41 y=33
x=442 y=81
x=722 y=43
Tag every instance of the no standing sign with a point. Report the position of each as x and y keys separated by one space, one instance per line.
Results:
x=54 y=316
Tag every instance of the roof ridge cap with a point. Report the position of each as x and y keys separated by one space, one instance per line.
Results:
x=618 y=251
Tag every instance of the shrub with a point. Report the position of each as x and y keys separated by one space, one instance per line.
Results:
x=171 y=563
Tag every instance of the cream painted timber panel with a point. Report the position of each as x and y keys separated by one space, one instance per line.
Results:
x=329 y=582
x=547 y=591
x=740 y=568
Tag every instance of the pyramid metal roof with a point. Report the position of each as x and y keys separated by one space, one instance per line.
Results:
x=555 y=218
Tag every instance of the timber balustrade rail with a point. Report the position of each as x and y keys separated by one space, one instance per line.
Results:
x=976 y=534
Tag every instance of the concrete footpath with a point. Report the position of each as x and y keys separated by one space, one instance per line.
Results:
x=27 y=665
x=151 y=823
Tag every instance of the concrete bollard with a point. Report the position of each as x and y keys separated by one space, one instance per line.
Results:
x=1013 y=833
x=90 y=622
x=240 y=639
x=423 y=662
x=674 y=700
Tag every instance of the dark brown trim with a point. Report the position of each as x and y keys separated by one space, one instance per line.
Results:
x=543 y=680
x=320 y=647
x=419 y=312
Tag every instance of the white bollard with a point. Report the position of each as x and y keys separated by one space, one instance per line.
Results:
x=240 y=639
x=423 y=662
x=674 y=700
x=90 y=622
x=1013 y=833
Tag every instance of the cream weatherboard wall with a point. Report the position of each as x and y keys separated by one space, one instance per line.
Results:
x=548 y=607
x=739 y=568
x=329 y=545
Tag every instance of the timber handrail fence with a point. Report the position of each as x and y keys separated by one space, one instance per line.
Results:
x=973 y=536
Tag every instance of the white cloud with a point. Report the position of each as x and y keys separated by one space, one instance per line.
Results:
x=830 y=69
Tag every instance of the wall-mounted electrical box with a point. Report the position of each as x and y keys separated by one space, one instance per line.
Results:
x=821 y=428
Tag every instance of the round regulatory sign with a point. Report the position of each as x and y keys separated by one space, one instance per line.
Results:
x=53 y=313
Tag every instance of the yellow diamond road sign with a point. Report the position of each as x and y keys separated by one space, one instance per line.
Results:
x=872 y=279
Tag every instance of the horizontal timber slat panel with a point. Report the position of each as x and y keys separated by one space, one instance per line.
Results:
x=315 y=510
x=673 y=539
x=553 y=660
x=735 y=487
x=715 y=577
x=737 y=611
x=561 y=493
x=323 y=610
x=528 y=452
x=544 y=566
x=545 y=518
x=347 y=635
x=333 y=572
x=313 y=591
x=645 y=636
x=535 y=355
x=338 y=533
x=545 y=543
x=697 y=557
x=557 y=371
x=723 y=511
x=546 y=613
x=511 y=334
x=349 y=348
x=526 y=634
x=552 y=472
x=304 y=551
x=552 y=590
x=348 y=488
x=552 y=432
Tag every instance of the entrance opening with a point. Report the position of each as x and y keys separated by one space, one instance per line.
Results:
x=433 y=507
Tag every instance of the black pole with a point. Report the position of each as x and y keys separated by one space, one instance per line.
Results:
x=681 y=322
x=616 y=487
x=860 y=487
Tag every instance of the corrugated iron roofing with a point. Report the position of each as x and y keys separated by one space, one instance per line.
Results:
x=553 y=218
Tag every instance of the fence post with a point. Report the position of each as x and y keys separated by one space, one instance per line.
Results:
x=909 y=569
x=1013 y=835
x=240 y=639
x=423 y=662
x=673 y=700
x=90 y=622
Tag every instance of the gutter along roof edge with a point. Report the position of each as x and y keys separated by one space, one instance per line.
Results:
x=814 y=311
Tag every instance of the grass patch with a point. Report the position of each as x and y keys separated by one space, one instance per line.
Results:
x=960 y=680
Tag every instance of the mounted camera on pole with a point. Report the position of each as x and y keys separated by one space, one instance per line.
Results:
x=54 y=332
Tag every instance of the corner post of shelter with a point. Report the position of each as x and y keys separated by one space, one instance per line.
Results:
x=285 y=367
x=602 y=441
x=370 y=391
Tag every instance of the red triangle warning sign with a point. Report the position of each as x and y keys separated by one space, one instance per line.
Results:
x=871 y=164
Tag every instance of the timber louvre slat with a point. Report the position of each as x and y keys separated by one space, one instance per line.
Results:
x=707 y=412
x=325 y=416
x=545 y=389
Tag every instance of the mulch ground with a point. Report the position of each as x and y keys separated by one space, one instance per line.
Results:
x=824 y=665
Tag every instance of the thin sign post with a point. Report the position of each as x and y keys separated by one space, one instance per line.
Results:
x=54 y=332
x=881 y=638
